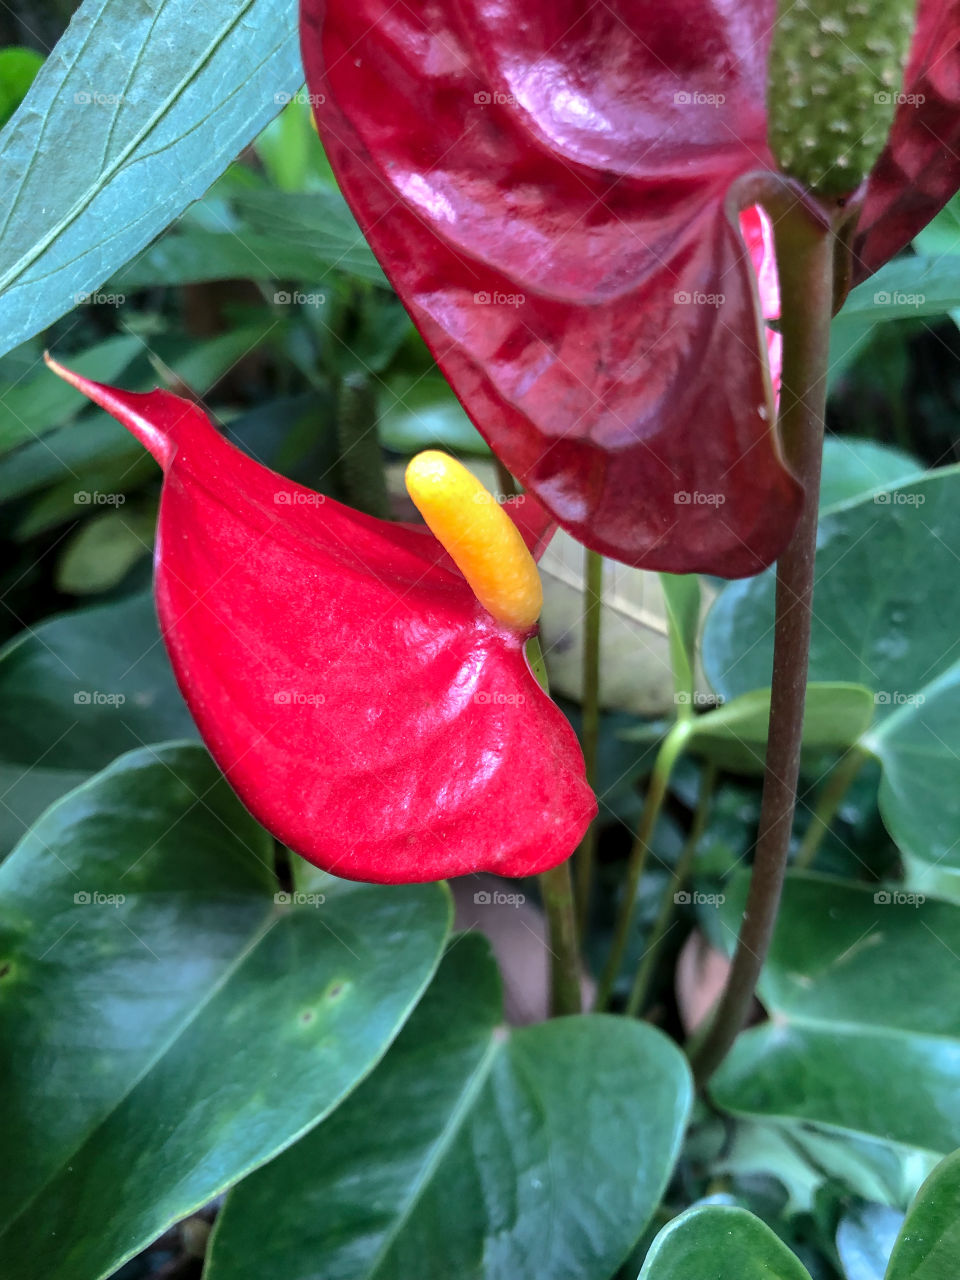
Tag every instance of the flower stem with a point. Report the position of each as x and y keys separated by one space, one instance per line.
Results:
x=361 y=467
x=590 y=729
x=831 y=797
x=805 y=261
x=556 y=886
x=556 y=890
x=661 y=926
x=670 y=749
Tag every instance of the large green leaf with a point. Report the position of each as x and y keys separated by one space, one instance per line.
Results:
x=882 y=618
x=271 y=235
x=928 y=1247
x=470 y=1154
x=168 y=1024
x=139 y=109
x=919 y=797
x=80 y=688
x=853 y=467
x=907 y=287
x=720 y=1242
x=864 y=1036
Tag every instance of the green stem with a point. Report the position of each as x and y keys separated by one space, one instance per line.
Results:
x=590 y=730
x=805 y=260
x=556 y=890
x=361 y=458
x=670 y=749
x=661 y=926
x=556 y=886
x=831 y=797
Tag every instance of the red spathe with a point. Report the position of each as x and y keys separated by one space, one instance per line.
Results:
x=364 y=706
x=555 y=192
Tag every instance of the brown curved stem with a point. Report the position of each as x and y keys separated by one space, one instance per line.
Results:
x=805 y=261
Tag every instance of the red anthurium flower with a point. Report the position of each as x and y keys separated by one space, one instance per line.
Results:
x=364 y=705
x=555 y=189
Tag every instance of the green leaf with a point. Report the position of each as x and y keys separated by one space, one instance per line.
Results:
x=18 y=70
x=276 y=236
x=682 y=598
x=159 y=1048
x=103 y=550
x=720 y=1242
x=910 y=286
x=942 y=235
x=879 y=614
x=881 y=619
x=864 y=1037
x=929 y=1242
x=734 y=736
x=853 y=467
x=471 y=1154
x=635 y=668
x=38 y=404
x=138 y=110
x=80 y=688
x=423 y=413
x=918 y=745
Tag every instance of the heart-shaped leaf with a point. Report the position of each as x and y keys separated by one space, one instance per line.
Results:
x=472 y=1154
x=138 y=111
x=81 y=688
x=170 y=1021
x=882 y=618
x=720 y=1242
x=929 y=1242
x=864 y=1036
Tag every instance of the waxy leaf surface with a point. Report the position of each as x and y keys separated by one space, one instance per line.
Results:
x=169 y=1022
x=473 y=1154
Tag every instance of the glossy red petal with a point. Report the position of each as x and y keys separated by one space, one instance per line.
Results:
x=920 y=168
x=362 y=704
x=548 y=187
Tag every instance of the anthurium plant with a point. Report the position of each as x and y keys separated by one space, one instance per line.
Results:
x=480 y=694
